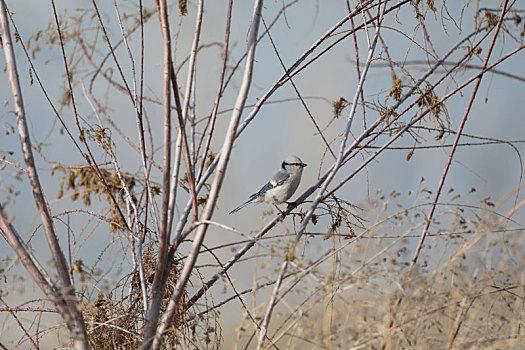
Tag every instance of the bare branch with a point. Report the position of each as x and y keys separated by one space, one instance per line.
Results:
x=458 y=135
x=161 y=269
x=217 y=183
x=71 y=310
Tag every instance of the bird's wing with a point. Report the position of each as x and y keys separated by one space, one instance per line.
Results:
x=277 y=180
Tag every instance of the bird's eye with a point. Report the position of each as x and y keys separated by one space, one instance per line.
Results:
x=295 y=164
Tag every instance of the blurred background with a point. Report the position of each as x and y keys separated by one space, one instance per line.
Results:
x=388 y=200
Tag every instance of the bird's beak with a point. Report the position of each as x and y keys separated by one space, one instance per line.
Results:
x=303 y=165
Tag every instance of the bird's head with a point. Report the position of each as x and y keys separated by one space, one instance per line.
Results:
x=293 y=164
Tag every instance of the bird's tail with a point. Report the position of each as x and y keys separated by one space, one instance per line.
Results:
x=243 y=205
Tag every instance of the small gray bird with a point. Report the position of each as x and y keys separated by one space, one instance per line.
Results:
x=282 y=185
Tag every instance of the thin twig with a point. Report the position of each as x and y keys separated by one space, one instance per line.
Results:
x=13 y=314
x=331 y=175
x=179 y=230
x=211 y=121
x=456 y=140
x=68 y=302
x=183 y=115
x=319 y=131
x=219 y=177
x=161 y=269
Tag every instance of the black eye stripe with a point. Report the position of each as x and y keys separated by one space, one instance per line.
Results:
x=296 y=164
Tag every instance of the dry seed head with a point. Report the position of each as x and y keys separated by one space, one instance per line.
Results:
x=396 y=90
x=339 y=106
x=491 y=18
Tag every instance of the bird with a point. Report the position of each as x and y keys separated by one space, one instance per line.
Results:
x=281 y=186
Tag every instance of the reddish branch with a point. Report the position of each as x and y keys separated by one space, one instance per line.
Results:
x=13 y=314
x=458 y=136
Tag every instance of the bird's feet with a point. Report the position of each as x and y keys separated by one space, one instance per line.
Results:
x=283 y=214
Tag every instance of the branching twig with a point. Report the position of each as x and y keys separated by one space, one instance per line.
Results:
x=13 y=314
x=456 y=140
x=217 y=183
x=328 y=179
x=211 y=122
x=67 y=300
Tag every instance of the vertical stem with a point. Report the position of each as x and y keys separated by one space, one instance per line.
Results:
x=456 y=141
x=72 y=311
x=217 y=182
x=162 y=266
x=157 y=290
x=213 y=116
x=185 y=107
